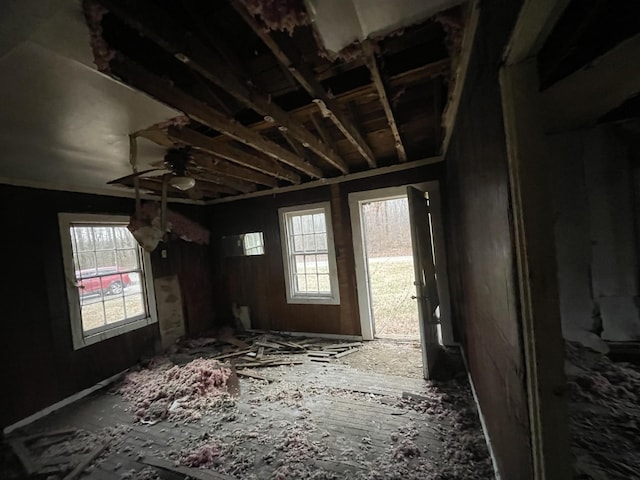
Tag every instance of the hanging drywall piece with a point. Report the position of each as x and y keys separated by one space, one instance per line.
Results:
x=170 y=312
x=148 y=231
x=343 y=22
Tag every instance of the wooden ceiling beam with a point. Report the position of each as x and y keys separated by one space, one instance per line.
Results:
x=239 y=185
x=145 y=17
x=188 y=136
x=376 y=75
x=223 y=167
x=399 y=81
x=139 y=78
x=290 y=57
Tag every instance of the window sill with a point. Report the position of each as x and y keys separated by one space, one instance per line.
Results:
x=91 y=339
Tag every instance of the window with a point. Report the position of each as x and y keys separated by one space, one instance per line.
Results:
x=253 y=244
x=109 y=284
x=309 y=257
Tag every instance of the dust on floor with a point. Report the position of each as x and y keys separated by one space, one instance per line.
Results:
x=604 y=415
x=322 y=420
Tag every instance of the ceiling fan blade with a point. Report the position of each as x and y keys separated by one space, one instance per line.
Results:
x=133 y=175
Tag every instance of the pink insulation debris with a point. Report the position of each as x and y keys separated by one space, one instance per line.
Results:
x=102 y=52
x=205 y=456
x=604 y=414
x=283 y=15
x=146 y=227
x=175 y=392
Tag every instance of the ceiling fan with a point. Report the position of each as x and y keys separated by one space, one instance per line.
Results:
x=177 y=170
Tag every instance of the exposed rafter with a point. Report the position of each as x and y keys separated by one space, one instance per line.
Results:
x=188 y=136
x=144 y=16
x=380 y=83
x=139 y=78
x=224 y=167
x=290 y=57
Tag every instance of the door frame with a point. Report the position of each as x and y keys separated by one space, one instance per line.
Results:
x=362 y=281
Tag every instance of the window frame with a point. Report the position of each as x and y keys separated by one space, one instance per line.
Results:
x=333 y=298
x=80 y=339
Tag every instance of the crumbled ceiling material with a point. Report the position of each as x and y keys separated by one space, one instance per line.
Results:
x=145 y=226
x=283 y=15
x=102 y=53
x=266 y=107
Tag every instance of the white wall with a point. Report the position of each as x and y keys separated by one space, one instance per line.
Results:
x=596 y=248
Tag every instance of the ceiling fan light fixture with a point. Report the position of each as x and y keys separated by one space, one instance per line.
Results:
x=182 y=183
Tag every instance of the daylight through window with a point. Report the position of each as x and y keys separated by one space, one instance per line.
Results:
x=309 y=252
x=108 y=290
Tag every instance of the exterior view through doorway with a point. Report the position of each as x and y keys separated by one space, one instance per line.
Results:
x=402 y=289
x=388 y=254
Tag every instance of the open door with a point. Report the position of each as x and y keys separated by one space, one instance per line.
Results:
x=426 y=286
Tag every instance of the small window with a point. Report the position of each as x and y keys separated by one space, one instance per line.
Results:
x=109 y=281
x=253 y=244
x=309 y=254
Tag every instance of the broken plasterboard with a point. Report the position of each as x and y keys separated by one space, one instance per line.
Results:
x=170 y=312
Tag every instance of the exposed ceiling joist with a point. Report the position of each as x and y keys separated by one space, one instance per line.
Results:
x=382 y=88
x=145 y=17
x=289 y=57
x=139 y=78
x=239 y=185
x=224 y=167
x=584 y=96
x=188 y=136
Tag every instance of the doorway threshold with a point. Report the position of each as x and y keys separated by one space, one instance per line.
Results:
x=398 y=337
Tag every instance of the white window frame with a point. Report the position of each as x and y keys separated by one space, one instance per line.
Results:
x=80 y=339
x=332 y=298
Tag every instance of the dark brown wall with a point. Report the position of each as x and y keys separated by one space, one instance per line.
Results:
x=39 y=366
x=481 y=251
x=259 y=281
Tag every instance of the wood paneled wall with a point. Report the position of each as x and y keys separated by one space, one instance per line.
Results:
x=259 y=281
x=481 y=247
x=38 y=366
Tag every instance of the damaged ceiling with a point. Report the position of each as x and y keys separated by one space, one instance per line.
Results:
x=243 y=95
x=265 y=104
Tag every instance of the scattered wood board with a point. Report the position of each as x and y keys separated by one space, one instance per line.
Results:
x=345 y=353
x=233 y=354
x=88 y=460
x=246 y=373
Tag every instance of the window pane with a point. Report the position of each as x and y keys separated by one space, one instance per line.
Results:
x=318 y=222
x=307 y=223
x=127 y=259
x=134 y=305
x=103 y=238
x=321 y=242
x=312 y=283
x=106 y=261
x=82 y=239
x=114 y=310
x=323 y=263
x=92 y=316
x=298 y=244
x=309 y=243
x=123 y=238
x=324 y=284
x=310 y=263
x=296 y=224
x=253 y=243
x=298 y=264
x=300 y=284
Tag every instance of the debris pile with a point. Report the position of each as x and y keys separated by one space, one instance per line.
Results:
x=64 y=453
x=178 y=392
x=604 y=414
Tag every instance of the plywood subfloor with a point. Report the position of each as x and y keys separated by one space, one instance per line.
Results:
x=313 y=421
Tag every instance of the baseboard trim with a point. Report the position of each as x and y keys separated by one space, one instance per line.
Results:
x=61 y=404
x=481 y=415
